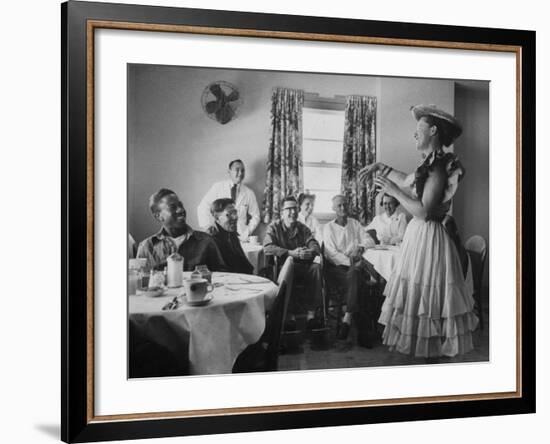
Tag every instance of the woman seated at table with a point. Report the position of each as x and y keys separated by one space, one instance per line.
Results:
x=389 y=227
x=224 y=233
x=306 y=202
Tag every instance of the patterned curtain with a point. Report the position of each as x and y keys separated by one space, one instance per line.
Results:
x=359 y=151
x=284 y=160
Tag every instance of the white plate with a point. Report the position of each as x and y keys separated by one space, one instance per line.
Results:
x=205 y=301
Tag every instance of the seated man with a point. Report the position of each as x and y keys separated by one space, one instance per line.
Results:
x=345 y=241
x=224 y=233
x=288 y=237
x=196 y=247
x=389 y=227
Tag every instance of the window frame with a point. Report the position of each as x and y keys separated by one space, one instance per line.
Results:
x=336 y=103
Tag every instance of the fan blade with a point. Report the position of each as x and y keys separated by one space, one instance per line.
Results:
x=225 y=114
x=213 y=106
x=233 y=96
x=217 y=91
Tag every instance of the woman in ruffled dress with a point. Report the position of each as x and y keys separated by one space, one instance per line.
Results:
x=428 y=310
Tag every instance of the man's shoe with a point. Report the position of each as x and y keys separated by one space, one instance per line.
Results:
x=314 y=323
x=344 y=331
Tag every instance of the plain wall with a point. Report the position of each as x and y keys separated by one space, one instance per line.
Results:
x=172 y=143
x=471 y=203
x=397 y=126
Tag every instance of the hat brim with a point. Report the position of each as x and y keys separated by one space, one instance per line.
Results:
x=420 y=111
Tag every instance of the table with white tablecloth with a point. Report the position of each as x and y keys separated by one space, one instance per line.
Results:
x=255 y=255
x=383 y=258
x=211 y=336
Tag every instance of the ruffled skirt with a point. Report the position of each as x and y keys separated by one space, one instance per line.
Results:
x=428 y=309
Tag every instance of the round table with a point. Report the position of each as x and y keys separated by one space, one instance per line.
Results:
x=383 y=259
x=211 y=336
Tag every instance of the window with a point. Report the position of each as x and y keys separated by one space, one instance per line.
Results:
x=323 y=135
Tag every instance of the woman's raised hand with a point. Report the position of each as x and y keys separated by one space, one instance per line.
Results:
x=369 y=170
x=386 y=185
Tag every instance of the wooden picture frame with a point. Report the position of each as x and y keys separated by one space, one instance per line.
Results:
x=80 y=20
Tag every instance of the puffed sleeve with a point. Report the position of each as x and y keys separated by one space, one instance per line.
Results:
x=455 y=172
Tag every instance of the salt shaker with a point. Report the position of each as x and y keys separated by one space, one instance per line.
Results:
x=174 y=274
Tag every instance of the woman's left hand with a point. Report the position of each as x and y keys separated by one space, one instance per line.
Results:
x=386 y=186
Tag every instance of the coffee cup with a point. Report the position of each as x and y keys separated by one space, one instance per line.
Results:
x=197 y=289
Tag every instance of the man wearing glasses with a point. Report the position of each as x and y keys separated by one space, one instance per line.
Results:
x=288 y=237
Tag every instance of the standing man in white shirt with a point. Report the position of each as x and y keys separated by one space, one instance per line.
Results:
x=245 y=201
x=389 y=226
x=345 y=241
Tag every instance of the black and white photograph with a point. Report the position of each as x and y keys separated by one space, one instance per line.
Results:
x=285 y=221
x=275 y=222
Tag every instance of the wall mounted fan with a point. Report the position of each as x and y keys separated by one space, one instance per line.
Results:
x=221 y=101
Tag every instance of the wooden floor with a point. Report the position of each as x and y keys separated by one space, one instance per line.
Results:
x=348 y=354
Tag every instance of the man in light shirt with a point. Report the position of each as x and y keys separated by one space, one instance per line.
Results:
x=389 y=226
x=245 y=201
x=345 y=241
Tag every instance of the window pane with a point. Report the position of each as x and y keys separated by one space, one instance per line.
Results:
x=322 y=124
x=317 y=178
x=323 y=201
x=322 y=151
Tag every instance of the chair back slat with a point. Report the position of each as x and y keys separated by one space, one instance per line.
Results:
x=274 y=327
x=286 y=275
x=477 y=250
x=478 y=245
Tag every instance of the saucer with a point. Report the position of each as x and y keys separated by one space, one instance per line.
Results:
x=151 y=292
x=201 y=303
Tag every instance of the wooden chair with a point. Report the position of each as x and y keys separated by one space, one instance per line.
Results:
x=274 y=271
x=370 y=302
x=477 y=250
x=263 y=356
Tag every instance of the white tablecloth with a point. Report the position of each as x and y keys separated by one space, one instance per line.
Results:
x=254 y=254
x=212 y=335
x=383 y=260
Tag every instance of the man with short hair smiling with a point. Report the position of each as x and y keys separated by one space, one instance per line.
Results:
x=224 y=233
x=196 y=247
x=288 y=237
x=345 y=241
x=245 y=201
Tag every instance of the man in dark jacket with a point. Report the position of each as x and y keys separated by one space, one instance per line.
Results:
x=224 y=233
